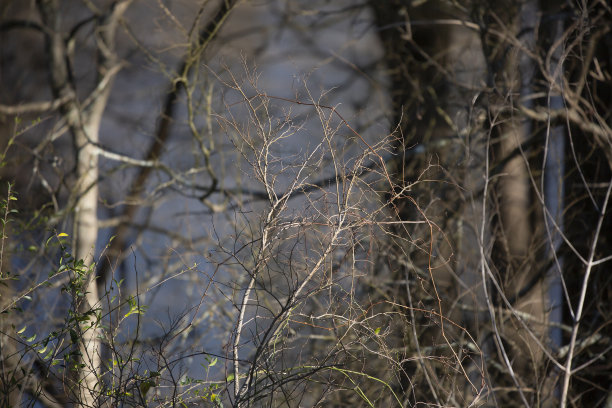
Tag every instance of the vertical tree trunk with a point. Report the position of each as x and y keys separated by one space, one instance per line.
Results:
x=85 y=236
x=427 y=69
x=84 y=123
x=520 y=233
x=554 y=178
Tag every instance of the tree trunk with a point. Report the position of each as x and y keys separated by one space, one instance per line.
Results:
x=85 y=126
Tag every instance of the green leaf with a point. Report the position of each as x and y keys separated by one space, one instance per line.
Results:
x=22 y=330
x=62 y=234
x=145 y=386
x=377 y=330
x=230 y=378
x=74 y=336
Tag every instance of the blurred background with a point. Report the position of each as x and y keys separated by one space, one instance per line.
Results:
x=305 y=203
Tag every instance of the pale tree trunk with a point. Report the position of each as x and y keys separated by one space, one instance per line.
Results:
x=514 y=186
x=85 y=236
x=525 y=282
x=84 y=123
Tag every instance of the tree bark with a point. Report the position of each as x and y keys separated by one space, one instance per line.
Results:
x=84 y=124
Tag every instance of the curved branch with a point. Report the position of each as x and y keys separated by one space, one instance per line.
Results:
x=23 y=24
x=162 y=135
x=35 y=107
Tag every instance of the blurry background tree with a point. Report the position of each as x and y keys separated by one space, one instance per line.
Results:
x=509 y=105
x=403 y=203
